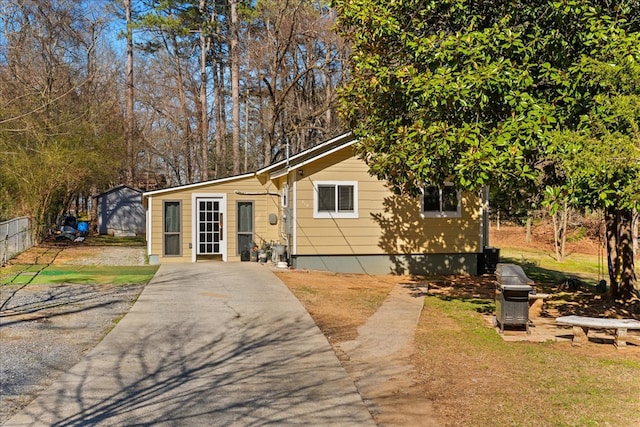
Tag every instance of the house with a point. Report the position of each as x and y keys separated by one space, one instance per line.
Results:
x=326 y=210
x=120 y=212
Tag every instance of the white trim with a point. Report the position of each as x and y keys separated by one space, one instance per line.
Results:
x=194 y=221
x=294 y=217
x=266 y=169
x=236 y=221
x=484 y=217
x=280 y=173
x=335 y=214
x=284 y=196
x=318 y=147
x=325 y=154
x=197 y=184
x=296 y=166
x=441 y=213
x=181 y=232
x=149 y=216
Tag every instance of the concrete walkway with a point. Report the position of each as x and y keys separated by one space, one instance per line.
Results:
x=379 y=360
x=206 y=344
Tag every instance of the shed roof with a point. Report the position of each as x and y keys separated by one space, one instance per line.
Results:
x=119 y=187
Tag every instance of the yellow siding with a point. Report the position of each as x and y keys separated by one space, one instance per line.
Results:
x=263 y=206
x=386 y=224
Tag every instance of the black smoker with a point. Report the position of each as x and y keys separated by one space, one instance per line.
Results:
x=512 y=296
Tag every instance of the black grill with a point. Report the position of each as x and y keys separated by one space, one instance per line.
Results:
x=512 y=296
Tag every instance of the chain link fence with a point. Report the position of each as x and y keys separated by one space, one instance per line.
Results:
x=15 y=237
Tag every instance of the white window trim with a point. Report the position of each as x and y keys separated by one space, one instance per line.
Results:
x=253 y=224
x=353 y=214
x=441 y=213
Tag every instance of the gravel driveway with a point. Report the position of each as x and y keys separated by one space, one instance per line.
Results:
x=46 y=329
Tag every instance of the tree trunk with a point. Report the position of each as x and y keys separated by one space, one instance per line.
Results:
x=204 y=119
x=130 y=162
x=185 y=115
x=563 y=229
x=221 y=122
x=623 y=281
x=246 y=133
x=219 y=102
x=634 y=231
x=235 y=85
x=527 y=236
x=556 y=235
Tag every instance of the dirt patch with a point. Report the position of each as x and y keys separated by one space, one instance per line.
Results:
x=80 y=254
x=542 y=238
x=339 y=303
x=418 y=389
x=342 y=303
x=101 y=255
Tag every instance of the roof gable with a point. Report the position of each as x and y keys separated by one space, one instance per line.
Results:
x=118 y=188
x=307 y=156
x=279 y=168
x=199 y=184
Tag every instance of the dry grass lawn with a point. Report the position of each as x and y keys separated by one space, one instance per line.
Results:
x=468 y=372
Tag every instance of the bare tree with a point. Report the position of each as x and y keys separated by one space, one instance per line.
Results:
x=60 y=130
x=281 y=55
x=300 y=63
x=131 y=121
x=205 y=45
x=234 y=40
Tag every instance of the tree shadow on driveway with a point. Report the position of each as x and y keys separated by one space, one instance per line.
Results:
x=256 y=373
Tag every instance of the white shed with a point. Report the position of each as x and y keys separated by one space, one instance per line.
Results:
x=120 y=212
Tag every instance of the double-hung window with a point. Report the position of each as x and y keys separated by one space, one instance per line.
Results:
x=441 y=202
x=335 y=199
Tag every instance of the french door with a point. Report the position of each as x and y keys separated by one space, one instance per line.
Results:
x=210 y=226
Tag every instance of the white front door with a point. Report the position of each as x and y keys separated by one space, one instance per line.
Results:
x=210 y=226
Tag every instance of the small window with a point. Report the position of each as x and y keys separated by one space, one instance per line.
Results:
x=172 y=239
x=335 y=200
x=441 y=202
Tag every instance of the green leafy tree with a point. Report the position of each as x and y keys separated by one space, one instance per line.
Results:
x=474 y=92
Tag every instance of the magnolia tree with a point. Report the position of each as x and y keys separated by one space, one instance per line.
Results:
x=500 y=93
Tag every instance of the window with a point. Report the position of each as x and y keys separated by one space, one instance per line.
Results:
x=171 y=229
x=442 y=202
x=245 y=226
x=335 y=199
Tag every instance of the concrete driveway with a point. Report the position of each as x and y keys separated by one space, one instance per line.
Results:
x=206 y=344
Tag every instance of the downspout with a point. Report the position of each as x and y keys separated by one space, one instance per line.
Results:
x=149 y=217
x=485 y=217
x=286 y=210
x=294 y=214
